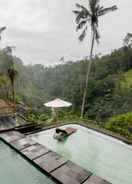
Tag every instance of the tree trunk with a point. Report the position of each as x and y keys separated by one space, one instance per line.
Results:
x=13 y=91
x=87 y=75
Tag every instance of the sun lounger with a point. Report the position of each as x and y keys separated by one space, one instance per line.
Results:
x=61 y=134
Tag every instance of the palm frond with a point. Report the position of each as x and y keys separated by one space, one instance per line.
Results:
x=81 y=25
x=93 y=4
x=106 y=10
x=97 y=8
x=83 y=34
x=82 y=8
x=76 y=12
x=79 y=17
x=82 y=13
x=2 y=29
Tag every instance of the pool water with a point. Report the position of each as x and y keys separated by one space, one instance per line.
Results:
x=103 y=155
x=14 y=169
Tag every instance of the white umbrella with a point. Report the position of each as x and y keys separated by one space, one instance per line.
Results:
x=57 y=103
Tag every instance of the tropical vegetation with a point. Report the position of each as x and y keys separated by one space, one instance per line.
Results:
x=85 y=17
x=109 y=93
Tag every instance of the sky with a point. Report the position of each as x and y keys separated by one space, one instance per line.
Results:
x=43 y=31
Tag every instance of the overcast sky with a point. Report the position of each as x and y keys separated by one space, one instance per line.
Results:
x=44 y=30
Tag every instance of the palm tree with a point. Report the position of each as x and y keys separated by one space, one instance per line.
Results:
x=1 y=30
x=12 y=72
x=86 y=16
x=12 y=76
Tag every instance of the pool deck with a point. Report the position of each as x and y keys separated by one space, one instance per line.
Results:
x=62 y=170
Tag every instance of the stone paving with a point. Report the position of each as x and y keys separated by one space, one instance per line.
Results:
x=11 y=136
x=71 y=173
x=64 y=171
x=35 y=151
x=96 y=180
x=50 y=161
x=22 y=143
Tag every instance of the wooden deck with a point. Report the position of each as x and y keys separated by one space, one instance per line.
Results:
x=64 y=171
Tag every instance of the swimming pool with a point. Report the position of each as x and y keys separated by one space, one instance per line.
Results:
x=14 y=169
x=103 y=155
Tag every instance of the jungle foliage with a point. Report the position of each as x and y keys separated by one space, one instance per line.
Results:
x=109 y=92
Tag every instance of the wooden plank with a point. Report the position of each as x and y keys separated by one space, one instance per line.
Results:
x=71 y=173
x=35 y=151
x=96 y=180
x=50 y=161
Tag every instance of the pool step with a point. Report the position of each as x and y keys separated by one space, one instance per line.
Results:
x=22 y=143
x=71 y=173
x=34 y=151
x=63 y=171
x=50 y=162
x=96 y=180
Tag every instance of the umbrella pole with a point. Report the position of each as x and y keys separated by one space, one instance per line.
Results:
x=54 y=115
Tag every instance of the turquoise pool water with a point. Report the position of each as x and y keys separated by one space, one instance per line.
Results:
x=103 y=155
x=14 y=169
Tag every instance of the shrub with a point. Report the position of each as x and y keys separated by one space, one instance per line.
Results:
x=43 y=117
x=120 y=124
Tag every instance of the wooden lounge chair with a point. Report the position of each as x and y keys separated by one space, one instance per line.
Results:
x=61 y=134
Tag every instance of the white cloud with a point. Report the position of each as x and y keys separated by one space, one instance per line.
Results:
x=44 y=30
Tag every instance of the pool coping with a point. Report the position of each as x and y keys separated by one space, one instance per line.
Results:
x=49 y=162
x=103 y=131
x=100 y=130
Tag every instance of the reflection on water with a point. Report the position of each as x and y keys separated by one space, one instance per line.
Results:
x=62 y=149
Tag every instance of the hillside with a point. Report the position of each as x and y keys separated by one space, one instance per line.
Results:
x=110 y=75
x=127 y=79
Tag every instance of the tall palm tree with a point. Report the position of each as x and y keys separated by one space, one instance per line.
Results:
x=12 y=76
x=12 y=72
x=89 y=16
